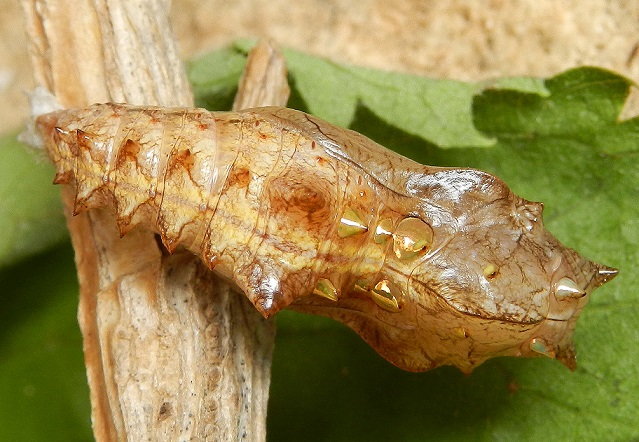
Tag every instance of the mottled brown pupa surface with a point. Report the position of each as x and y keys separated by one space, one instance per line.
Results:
x=429 y=265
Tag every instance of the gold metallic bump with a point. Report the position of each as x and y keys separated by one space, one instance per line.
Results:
x=567 y=288
x=326 y=289
x=387 y=296
x=350 y=224
x=411 y=237
x=383 y=231
x=460 y=332
x=360 y=286
x=490 y=271
x=539 y=346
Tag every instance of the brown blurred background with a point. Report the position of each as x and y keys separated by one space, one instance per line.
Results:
x=459 y=39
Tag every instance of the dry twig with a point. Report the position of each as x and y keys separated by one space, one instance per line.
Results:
x=172 y=353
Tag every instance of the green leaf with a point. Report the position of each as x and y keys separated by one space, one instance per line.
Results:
x=43 y=390
x=215 y=78
x=335 y=93
x=556 y=140
x=31 y=217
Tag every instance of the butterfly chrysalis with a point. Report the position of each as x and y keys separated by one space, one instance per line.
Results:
x=429 y=265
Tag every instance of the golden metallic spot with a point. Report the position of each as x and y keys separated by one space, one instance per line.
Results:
x=567 y=288
x=490 y=271
x=388 y=296
x=539 y=346
x=383 y=231
x=326 y=289
x=360 y=286
x=411 y=237
x=351 y=224
x=460 y=332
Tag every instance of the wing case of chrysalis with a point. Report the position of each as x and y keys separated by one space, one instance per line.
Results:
x=429 y=265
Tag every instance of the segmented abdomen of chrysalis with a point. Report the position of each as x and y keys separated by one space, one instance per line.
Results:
x=231 y=187
x=429 y=265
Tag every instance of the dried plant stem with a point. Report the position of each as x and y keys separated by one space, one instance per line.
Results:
x=171 y=352
x=264 y=81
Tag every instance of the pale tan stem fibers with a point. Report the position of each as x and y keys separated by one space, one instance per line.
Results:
x=171 y=352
